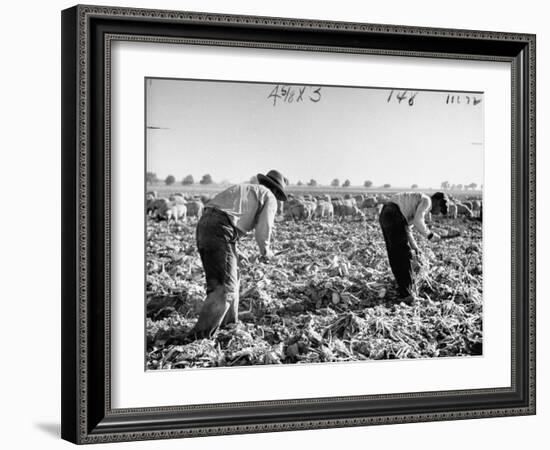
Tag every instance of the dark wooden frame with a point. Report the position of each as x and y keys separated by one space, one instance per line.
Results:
x=87 y=32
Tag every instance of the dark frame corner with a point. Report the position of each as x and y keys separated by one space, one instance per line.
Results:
x=87 y=31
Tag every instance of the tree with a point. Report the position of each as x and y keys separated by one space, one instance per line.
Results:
x=347 y=183
x=299 y=183
x=312 y=182
x=335 y=182
x=188 y=180
x=459 y=187
x=253 y=179
x=170 y=179
x=387 y=186
x=414 y=186
x=151 y=177
x=472 y=186
x=367 y=183
x=445 y=185
x=206 y=179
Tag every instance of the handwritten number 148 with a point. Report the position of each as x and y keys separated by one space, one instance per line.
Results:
x=401 y=96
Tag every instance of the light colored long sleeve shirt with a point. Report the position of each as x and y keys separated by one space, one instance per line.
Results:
x=250 y=206
x=414 y=206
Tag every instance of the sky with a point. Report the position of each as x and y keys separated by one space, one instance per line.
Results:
x=234 y=130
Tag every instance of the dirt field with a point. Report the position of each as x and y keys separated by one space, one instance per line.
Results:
x=328 y=296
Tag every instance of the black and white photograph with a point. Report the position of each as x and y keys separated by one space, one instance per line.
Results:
x=296 y=224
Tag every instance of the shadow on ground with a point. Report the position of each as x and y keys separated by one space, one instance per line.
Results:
x=53 y=429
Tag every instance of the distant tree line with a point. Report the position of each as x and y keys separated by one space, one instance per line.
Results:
x=446 y=186
x=152 y=178
x=188 y=180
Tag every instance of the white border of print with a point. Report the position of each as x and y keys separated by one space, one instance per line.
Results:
x=133 y=387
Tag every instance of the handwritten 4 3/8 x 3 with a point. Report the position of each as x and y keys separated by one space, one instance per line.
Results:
x=294 y=94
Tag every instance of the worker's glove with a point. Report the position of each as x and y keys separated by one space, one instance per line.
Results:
x=435 y=237
x=416 y=261
x=269 y=255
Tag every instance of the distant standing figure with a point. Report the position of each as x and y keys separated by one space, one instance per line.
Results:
x=228 y=216
x=397 y=217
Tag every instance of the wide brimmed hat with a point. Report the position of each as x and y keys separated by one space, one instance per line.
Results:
x=275 y=180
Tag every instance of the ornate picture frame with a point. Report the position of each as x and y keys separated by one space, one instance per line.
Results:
x=88 y=33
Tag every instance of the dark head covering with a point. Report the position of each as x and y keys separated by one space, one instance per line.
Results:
x=275 y=181
x=442 y=201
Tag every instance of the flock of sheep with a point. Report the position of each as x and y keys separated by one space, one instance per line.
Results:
x=178 y=206
x=323 y=206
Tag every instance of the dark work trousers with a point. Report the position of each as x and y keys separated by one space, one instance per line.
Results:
x=217 y=244
x=394 y=227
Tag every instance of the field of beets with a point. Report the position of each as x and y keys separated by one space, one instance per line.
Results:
x=328 y=296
